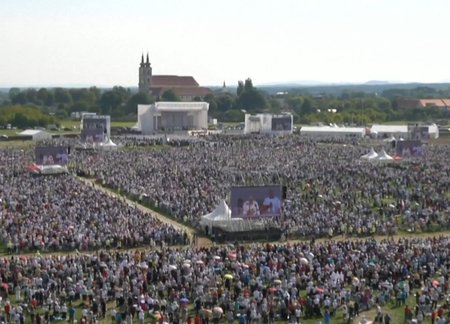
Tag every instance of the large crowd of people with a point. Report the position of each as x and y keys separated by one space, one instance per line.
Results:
x=330 y=190
x=64 y=213
x=259 y=283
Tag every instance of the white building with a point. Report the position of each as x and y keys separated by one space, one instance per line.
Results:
x=36 y=134
x=268 y=123
x=388 y=131
x=333 y=132
x=172 y=116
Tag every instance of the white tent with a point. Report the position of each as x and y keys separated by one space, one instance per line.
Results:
x=47 y=169
x=220 y=217
x=36 y=134
x=383 y=156
x=222 y=212
x=371 y=155
x=109 y=145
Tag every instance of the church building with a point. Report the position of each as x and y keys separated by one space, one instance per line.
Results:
x=185 y=87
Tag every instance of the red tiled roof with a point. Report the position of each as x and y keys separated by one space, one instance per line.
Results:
x=434 y=103
x=182 y=91
x=172 y=81
x=422 y=103
x=446 y=102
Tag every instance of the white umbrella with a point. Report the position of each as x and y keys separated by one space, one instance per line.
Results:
x=143 y=265
x=172 y=267
x=304 y=261
x=199 y=262
x=218 y=310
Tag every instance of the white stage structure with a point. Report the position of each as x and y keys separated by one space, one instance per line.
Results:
x=269 y=124
x=389 y=131
x=330 y=132
x=172 y=116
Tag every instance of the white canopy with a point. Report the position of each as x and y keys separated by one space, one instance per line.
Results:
x=371 y=155
x=47 y=169
x=384 y=156
x=221 y=213
x=109 y=145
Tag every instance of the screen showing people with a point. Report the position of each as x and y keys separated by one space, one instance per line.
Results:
x=91 y=136
x=283 y=123
x=409 y=148
x=94 y=130
x=253 y=202
x=51 y=155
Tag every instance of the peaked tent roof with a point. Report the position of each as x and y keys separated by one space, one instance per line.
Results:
x=31 y=132
x=371 y=155
x=384 y=156
x=222 y=212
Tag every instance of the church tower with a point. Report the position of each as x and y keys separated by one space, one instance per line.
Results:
x=145 y=75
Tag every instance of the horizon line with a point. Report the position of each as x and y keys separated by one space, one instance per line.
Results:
x=305 y=83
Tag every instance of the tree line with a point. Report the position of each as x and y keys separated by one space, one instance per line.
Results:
x=47 y=106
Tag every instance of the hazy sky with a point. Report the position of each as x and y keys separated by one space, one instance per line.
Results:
x=95 y=42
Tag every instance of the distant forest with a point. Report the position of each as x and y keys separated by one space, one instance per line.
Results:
x=340 y=104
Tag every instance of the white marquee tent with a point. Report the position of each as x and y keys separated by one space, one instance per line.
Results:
x=220 y=217
x=109 y=145
x=383 y=156
x=36 y=134
x=371 y=155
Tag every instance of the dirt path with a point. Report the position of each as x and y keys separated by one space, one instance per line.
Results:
x=201 y=242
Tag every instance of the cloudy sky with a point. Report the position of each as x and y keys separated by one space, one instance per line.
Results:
x=99 y=42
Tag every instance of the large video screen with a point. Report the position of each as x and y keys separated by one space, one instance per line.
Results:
x=254 y=202
x=95 y=123
x=281 y=123
x=91 y=136
x=94 y=130
x=419 y=132
x=56 y=155
x=409 y=148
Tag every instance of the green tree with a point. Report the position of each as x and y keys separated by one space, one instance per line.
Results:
x=240 y=88
x=224 y=102
x=44 y=97
x=169 y=95
x=137 y=99
x=248 y=85
x=62 y=96
x=13 y=92
x=307 y=106
x=251 y=100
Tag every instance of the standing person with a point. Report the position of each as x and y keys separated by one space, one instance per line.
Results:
x=272 y=204
x=71 y=315
x=250 y=208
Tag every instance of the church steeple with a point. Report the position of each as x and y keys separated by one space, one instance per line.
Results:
x=145 y=75
x=147 y=63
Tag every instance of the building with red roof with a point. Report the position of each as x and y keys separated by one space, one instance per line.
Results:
x=185 y=87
